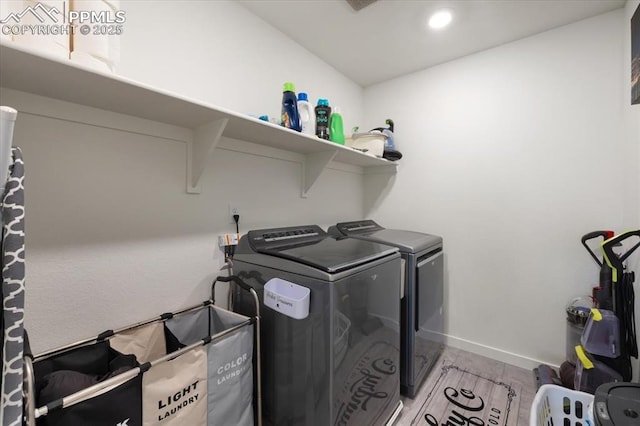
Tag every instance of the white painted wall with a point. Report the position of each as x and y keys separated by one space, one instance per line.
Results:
x=112 y=236
x=512 y=154
x=503 y=157
x=220 y=52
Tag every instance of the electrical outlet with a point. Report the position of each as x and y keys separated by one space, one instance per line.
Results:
x=228 y=240
x=233 y=210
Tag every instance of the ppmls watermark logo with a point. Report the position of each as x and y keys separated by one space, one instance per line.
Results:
x=43 y=20
x=38 y=11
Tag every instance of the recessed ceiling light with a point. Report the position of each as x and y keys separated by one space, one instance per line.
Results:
x=440 y=19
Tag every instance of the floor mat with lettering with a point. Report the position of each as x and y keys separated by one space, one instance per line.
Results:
x=460 y=397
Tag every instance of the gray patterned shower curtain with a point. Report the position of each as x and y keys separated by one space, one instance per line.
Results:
x=12 y=286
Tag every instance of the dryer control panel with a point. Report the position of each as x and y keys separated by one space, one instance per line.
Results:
x=350 y=228
x=265 y=239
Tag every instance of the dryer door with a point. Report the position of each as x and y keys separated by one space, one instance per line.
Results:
x=428 y=315
x=429 y=294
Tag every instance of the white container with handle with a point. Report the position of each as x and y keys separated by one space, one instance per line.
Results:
x=287 y=298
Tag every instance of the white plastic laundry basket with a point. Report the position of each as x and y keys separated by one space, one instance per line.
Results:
x=558 y=406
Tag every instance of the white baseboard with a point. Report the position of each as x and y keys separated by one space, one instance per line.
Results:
x=494 y=353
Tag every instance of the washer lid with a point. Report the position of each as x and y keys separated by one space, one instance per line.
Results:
x=406 y=241
x=333 y=255
x=311 y=246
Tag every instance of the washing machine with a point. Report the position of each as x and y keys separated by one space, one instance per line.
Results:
x=421 y=310
x=337 y=362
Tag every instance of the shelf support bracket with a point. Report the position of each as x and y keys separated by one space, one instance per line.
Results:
x=199 y=150
x=312 y=167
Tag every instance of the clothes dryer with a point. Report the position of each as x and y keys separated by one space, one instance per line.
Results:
x=421 y=307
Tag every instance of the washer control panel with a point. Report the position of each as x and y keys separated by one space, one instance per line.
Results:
x=264 y=239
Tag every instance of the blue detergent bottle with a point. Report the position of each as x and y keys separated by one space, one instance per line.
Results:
x=290 y=116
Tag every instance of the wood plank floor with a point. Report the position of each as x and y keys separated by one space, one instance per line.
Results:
x=486 y=367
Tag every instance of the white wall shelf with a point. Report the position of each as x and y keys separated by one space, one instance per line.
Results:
x=50 y=77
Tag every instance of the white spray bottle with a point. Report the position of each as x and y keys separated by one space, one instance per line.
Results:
x=307 y=115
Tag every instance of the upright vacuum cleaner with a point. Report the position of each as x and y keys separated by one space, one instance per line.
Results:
x=603 y=298
x=623 y=303
x=577 y=315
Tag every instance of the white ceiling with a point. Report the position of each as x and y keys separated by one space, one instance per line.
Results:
x=390 y=37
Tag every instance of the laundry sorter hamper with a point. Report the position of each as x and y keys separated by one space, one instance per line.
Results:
x=197 y=366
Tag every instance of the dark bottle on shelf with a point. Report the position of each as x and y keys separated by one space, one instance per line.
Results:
x=323 y=113
x=290 y=116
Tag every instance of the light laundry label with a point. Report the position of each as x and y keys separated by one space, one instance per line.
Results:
x=175 y=392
